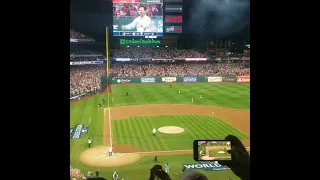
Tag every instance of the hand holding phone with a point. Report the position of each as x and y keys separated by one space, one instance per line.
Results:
x=240 y=163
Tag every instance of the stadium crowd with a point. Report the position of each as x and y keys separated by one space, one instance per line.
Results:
x=86 y=78
x=157 y=53
x=77 y=35
x=129 y=9
x=177 y=69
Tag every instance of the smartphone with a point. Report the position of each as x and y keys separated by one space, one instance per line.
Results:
x=212 y=150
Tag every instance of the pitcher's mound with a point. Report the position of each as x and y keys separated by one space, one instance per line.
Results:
x=207 y=158
x=99 y=157
x=171 y=129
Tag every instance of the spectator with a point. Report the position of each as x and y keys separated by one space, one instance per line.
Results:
x=77 y=35
x=165 y=69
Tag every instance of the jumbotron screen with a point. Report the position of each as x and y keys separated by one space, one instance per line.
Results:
x=137 y=17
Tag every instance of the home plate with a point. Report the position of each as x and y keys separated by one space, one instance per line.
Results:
x=212 y=112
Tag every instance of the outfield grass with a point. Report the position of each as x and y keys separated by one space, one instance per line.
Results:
x=222 y=95
x=136 y=131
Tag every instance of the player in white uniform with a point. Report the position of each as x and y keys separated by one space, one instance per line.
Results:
x=110 y=151
x=154 y=131
x=142 y=23
x=89 y=142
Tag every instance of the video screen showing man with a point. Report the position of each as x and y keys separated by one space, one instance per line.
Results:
x=137 y=17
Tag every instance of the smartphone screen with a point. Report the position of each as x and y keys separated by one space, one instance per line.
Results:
x=211 y=150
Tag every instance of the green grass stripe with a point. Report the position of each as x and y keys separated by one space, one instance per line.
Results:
x=138 y=131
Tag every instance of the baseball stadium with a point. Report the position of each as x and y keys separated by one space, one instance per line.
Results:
x=126 y=124
x=182 y=109
x=142 y=102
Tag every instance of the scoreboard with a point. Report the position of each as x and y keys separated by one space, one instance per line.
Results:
x=173 y=16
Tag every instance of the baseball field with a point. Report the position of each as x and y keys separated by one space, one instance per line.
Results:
x=127 y=126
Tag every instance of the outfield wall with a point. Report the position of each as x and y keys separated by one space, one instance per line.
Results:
x=178 y=79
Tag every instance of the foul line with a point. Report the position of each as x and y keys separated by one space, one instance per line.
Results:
x=110 y=129
x=152 y=152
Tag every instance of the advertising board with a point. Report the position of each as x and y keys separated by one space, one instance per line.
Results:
x=140 y=42
x=173 y=19
x=169 y=79
x=215 y=79
x=123 y=81
x=189 y=79
x=148 y=80
x=196 y=59
x=243 y=79
x=229 y=79
x=174 y=8
x=173 y=29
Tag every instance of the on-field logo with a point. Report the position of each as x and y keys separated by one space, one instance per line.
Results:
x=78 y=130
x=207 y=166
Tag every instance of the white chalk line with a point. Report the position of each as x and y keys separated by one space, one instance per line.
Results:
x=110 y=129
x=116 y=155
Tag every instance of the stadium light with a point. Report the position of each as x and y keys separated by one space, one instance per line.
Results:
x=166 y=46
x=157 y=46
x=128 y=46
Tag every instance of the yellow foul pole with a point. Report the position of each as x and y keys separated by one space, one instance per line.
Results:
x=107 y=51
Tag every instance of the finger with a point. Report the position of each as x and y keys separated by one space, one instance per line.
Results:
x=226 y=163
x=240 y=156
x=235 y=142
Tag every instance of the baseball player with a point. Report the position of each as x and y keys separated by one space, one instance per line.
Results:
x=192 y=100
x=154 y=131
x=89 y=175
x=200 y=96
x=115 y=176
x=201 y=152
x=89 y=142
x=166 y=168
x=97 y=172
x=110 y=151
x=179 y=91
x=112 y=99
